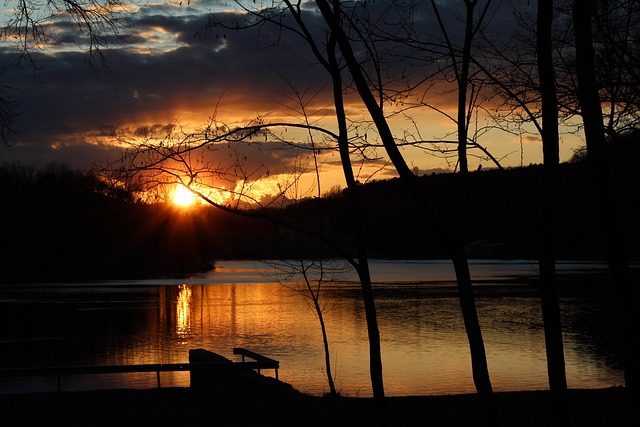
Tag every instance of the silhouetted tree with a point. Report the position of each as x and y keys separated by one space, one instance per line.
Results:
x=527 y=99
x=182 y=159
x=306 y=278
x=606 y=193
x=614 y=34
x=332 y=14
x=345 y=146
x=357 y=221
x=548 y=235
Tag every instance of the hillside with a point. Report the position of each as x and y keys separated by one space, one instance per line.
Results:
x=504 y=212
x=63 y=232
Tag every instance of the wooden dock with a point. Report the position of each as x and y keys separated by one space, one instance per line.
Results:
x=258 y=363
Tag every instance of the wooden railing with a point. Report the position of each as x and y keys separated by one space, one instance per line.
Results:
x=260 y=362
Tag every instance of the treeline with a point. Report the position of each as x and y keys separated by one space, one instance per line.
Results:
x=504 y=212
x=61 y=224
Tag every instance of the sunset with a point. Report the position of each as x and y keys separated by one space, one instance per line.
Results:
x=312 y=213
x=167 y=68
x=183 y=197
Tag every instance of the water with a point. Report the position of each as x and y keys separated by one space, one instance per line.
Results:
x=424 y=346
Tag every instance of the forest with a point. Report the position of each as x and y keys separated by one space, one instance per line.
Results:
x=65 y=224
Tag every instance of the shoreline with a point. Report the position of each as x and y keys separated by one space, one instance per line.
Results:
x=284 y=406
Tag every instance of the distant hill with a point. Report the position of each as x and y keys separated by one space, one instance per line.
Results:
x=65 y=225
x=503 y=221
x=71 y=231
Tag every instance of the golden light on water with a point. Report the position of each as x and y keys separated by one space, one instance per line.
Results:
x=183 y=310
x=424 y=351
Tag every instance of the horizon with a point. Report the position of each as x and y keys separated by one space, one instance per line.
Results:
x=169 y=76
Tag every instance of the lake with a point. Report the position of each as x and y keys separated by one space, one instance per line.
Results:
x=241 y=304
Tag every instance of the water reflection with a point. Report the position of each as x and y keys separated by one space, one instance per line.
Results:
x=183 y=310
x=424 y=346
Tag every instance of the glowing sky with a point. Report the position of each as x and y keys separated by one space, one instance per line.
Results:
x=169 y=69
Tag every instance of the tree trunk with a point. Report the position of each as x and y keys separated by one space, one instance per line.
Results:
x=604 y=190
x=480 y=369
x=325 y=341
x=362 y=267
x=463 y=81
x=314 y=294
x=480 y=374
x=550 y=147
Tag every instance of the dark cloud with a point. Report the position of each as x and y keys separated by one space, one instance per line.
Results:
x=170 y=68
x=64 y=99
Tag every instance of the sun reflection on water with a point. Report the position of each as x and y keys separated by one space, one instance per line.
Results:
x=183 y=310
x=424 y=344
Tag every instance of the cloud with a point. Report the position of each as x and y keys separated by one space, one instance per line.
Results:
x=183 y=81
x=171 y=68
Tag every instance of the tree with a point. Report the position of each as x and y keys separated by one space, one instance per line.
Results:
x=461 y=70
x=357 y=215
x=606 y=194
x=345 y=145
x=582 y=88
x=306 y=278
x=550 y=147
x=332 y=14
x=614 y=34
x=511 y=66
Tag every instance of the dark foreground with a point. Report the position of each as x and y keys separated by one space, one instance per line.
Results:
x=282 y=406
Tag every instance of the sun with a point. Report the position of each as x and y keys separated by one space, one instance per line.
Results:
x=183 y=197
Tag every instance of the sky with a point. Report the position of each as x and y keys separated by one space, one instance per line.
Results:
x=169 y=71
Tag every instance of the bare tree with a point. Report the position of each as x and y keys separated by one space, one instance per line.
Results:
x=329 y=60
x=614 y=34
x=607 y=198
x=550 y=147
x=527 y=84
x=306 y=278
x=511 y=66
x=593 y=78
x=357 y=216
x=32 y=25
x=332 y=14
x=185 y=158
